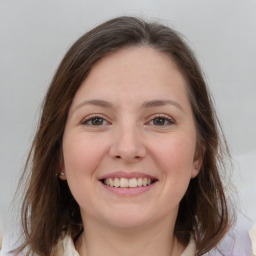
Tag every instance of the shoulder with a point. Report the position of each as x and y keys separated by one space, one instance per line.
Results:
x=252 y=234
x=66 y=247
x=237 y=241
x=190 y=250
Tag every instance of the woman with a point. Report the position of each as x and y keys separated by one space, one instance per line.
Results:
x=127 y=156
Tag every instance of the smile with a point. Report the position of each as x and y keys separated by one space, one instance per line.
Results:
x=128 y=183
x=124 y=183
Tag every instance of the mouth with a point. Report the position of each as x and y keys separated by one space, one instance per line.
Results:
x=128 y=183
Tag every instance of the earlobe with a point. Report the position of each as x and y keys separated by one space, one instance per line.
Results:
x=196 y=168
x=62 y=175
x=61 y=172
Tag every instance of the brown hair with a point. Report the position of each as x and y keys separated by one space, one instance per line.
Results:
x=49 y=208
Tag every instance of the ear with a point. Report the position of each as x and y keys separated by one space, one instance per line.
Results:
x=196 y=168
x=61 y=173
x=197 y=162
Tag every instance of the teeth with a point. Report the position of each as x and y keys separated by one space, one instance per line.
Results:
x=111 y=182
x=144 y=182
x=139 y=182
x=123 y=182
x=127 y=183
x=133 y=183
x=116 y=183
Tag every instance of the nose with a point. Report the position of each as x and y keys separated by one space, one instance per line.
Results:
x=127 y=144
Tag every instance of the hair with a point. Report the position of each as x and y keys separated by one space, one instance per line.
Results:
x=48 y=207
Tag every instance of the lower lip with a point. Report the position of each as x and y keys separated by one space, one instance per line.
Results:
x=129 y=191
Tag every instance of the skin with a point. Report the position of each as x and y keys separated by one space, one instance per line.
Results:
x=129 y=135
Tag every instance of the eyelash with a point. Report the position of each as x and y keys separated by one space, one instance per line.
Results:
x=169 y=120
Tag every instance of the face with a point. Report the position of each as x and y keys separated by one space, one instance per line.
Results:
x=129 y=144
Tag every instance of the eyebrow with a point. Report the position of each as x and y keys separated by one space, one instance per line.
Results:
x=146 y=104
x=160 y=103
x=95 y=102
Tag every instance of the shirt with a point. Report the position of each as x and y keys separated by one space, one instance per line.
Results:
x=66 y=248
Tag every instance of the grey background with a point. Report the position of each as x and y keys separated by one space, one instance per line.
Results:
x=34 y=36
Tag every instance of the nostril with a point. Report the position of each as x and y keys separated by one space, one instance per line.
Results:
x=119 y=157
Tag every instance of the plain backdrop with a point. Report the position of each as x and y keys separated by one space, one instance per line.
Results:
x=34 y=36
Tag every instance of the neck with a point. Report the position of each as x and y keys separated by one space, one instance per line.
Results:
x=154 y=239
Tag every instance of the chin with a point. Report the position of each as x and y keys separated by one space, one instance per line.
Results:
x=128 y=219
x=128 y=224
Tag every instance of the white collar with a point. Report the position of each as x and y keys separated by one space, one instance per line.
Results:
x=66 y=247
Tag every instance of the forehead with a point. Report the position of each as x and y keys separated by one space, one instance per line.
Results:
x=131 y=72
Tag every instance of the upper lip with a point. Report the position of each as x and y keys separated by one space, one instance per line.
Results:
x=127 y=175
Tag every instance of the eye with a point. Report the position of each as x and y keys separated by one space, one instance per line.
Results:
x=161 y=121
x=95 y=121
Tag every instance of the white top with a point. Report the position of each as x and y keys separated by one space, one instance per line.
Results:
x=66 y=248
x=236 y=242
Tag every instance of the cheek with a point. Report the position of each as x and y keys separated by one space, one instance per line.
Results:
x=176 y=155
x=81 y=155
x=175 y=158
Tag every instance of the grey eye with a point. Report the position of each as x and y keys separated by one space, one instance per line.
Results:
x=95 y=121
x=160 y=121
